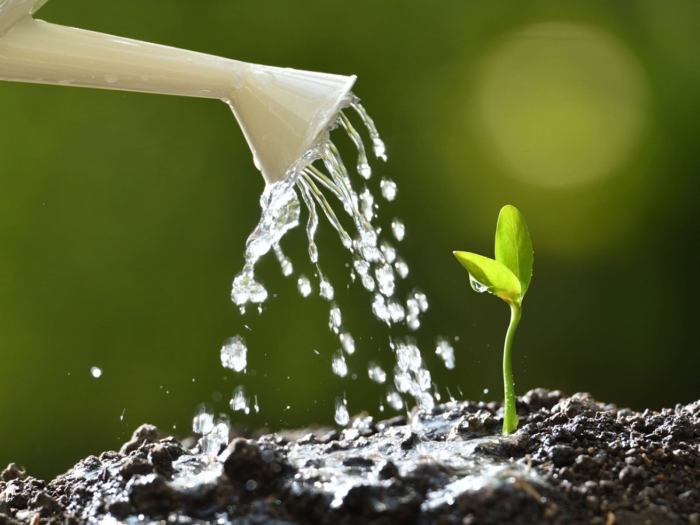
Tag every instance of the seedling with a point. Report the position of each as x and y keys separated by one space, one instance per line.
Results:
x=507 y=277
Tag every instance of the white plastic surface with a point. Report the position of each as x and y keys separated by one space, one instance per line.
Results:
x=281 y=111
x=13 y=10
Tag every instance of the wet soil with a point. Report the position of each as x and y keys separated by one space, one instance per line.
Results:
x=572 y=461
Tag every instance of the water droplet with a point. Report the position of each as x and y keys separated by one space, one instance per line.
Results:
x=422 y=300
x=342 y=417
x=285 y=263
x=445 y=350
x=396 y=312
x=401 y=268
x=368 y=282
x=246 y=289
x=380 y=309
x=364 y=169
x=348 y=342
x=388 y=188
x=280 y=213
x=325 y=289
x=335 y=318
x=408 y=357
x=340 y=367
x=367 y=204
x=239 y=401
x=376 y=373
x=385 y=279
x=424 y=380
x=398 y=229
x=95 y=372
x=477 y=286
x=234 y=354
x=304 y=286
x=394 y=400
x=388 y=251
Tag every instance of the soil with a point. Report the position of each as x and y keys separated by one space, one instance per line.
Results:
x=572 y=461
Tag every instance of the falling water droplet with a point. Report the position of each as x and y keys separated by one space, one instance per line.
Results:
x=340 y=367
x=285 y=262
x=335 y=318
x=325 y=288
x=385 y=279
x=304 y=286
x=388 y=251
x=396 y=312
x=388 y=188
x=239 y=401
x=398 y=229
x=246 y=289
x=401 y=268
x=376 y=373
x=234 y=354
x=342 y=417
x=366 y=204
x=394 y=400
x=445 y=350
x=422 y=300
x=379 y=308
x=348 y=342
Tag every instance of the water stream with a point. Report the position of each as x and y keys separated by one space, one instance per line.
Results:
x=320 y=185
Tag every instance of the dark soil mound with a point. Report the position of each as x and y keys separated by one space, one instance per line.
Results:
x=572 y=461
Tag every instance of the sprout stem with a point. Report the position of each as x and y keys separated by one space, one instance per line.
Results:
x=510 y=416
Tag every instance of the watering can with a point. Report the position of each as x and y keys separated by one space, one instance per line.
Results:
x=281 y=111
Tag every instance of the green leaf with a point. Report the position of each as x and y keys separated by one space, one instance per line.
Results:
x=491 y=276
x=514 y=246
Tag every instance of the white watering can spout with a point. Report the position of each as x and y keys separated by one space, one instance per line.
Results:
x=281 y=111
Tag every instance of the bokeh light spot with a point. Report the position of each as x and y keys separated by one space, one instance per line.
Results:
x=561 y=104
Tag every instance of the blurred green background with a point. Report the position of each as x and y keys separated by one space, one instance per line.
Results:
x=123 y=216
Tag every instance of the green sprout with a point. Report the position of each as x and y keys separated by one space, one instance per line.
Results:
x=507 y=277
